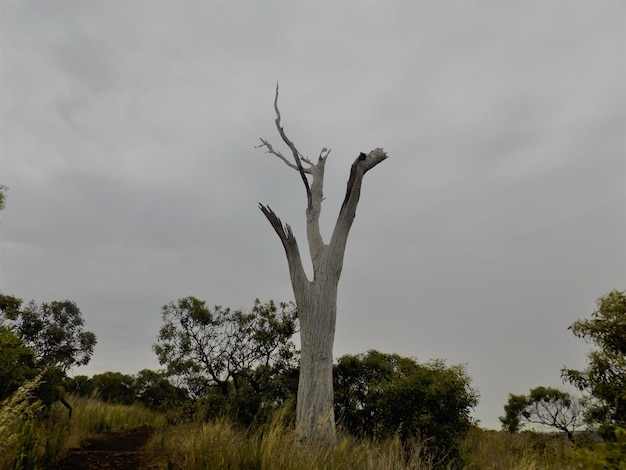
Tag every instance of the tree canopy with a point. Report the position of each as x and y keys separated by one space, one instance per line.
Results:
x=229 y=352
x=53 y=331
x=604 y=379
x=51 y=341
x=544 y=406
x=383 y=395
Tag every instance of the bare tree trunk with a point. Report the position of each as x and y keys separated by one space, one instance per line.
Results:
x=315 y=417
x=317 y=300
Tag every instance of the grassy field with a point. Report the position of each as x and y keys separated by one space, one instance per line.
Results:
x=31 y=440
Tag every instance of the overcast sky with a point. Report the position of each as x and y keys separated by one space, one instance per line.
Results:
x=128 y=134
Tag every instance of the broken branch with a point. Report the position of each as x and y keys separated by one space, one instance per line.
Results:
x=270 y=149
x=296 y=154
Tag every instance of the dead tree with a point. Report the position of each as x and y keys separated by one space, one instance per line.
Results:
x=316 y=299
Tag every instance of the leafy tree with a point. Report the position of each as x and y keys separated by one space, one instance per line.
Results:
x=9 y=308
x=153 y=390
x=17 y=363
x=381 y=395
x=114 y=387
x=79 y=385
x=236 y=353
x=357 y=384
x=513 y=409
x=317 y=298
x=54 y=331
x=545 y=406
x=604 y=379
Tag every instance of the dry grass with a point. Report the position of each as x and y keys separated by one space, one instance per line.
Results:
x=92 y=417
x=499 y=450
x=223 y=445
x=18 y=430
x=31 y=439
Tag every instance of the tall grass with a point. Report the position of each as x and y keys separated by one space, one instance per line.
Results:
x=500 y=450
x=92 y=416
x=34 y=438
x=18 y=430
x=223 y=445
x=31 y=439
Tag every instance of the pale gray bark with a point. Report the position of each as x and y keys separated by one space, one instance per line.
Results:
x=317 y=299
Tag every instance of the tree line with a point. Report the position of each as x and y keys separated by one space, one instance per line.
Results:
x=219 y=362
x=242 y=365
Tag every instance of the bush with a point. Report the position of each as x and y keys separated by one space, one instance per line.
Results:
x=382 y=396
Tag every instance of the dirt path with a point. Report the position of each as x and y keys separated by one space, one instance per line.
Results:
x=110 y=451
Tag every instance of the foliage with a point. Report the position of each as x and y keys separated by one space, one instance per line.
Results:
x=55 y=336
x=9 y=307
x=513 y=409
x=17 y=413
x=17 y=363
x=604 y=379
x=544 y=406
x=3 y=190
x=54 y=331
x=605 y=455
x=153 y=390
x=233 y=355
x=148 y=388
x=79 y=386
x=114 y=387
x=384 y=395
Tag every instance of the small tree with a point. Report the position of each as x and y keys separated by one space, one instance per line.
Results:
x=54 y=331
x=604 y=379
x=232 y=351
x=79 y=385
x=545 y=406
x=55 y=334
x=513 y=409
x=381 y=396
x=153 y=390
x=114 y=387
x=317 y=298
